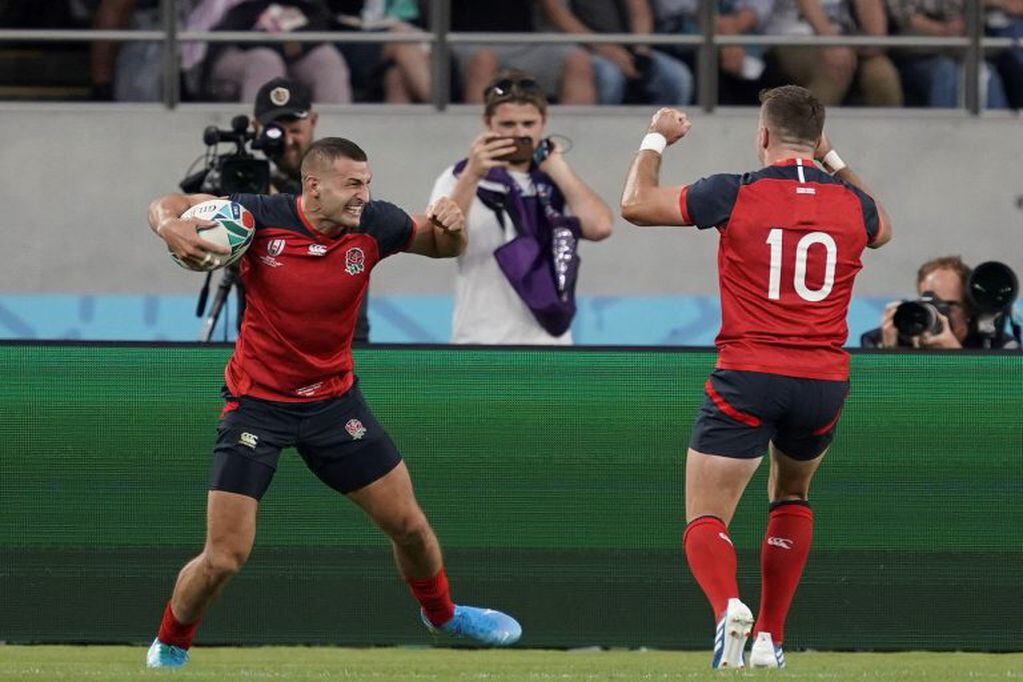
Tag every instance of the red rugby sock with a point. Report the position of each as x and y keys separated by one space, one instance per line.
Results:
x=712 y=561
x=782 y=557
x=434 y=596
x=175 y=633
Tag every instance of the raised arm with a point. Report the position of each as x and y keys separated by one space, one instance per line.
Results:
x=440 y=232
x=595 y=217
x=182 y=236
x=833 y=163
x=644 y=201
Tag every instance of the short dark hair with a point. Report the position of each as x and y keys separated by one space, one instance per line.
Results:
x=329 y=149
x=954 y=263
x=520 y=88
x=793 y=114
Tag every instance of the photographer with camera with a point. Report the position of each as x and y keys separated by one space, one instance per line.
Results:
x=283 y=129
x=525 y=211
x=959 y=307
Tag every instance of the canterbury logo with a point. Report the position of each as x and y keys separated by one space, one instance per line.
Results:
x=784 y=543
x=725 y=538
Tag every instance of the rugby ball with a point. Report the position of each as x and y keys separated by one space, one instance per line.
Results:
x=234 y=229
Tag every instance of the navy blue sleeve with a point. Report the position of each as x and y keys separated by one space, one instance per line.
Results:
x=870 y=216
x=709 y=201
x=389 y=225
x=269 y=210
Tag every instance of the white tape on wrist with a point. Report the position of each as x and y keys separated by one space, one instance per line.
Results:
x=654 y=142
x=833 y=162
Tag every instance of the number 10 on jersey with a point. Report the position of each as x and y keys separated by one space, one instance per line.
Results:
x=777 y=240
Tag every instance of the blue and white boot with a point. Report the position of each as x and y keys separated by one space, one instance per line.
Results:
x=730 y=638
x=765 y=653
x=485 y=626
x=162 y=655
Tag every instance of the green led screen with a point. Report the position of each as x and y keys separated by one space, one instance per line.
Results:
x=553 y=479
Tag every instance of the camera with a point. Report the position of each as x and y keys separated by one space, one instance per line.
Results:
x=913 y=318
x=991 y=289
x=238 y=171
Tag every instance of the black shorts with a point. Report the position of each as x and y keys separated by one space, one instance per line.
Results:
x=339 y=439
x=746 y=410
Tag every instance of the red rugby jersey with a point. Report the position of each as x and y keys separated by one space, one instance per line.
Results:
x=791 y=238
x=302 y=296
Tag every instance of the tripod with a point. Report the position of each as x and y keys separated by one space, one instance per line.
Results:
x=227 y=281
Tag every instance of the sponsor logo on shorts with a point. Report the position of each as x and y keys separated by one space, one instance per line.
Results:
x=317 y=250
x=355 y=429
x=783 y=543
x=249 y=440
x=355 y=261
x=311 y=389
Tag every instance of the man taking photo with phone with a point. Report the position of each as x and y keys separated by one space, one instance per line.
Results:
x=525 y=211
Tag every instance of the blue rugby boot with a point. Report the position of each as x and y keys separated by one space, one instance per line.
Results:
x=485 y=626
x=730 y=637
x=162 y=655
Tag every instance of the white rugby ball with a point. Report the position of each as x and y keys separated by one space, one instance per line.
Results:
x=234 y=230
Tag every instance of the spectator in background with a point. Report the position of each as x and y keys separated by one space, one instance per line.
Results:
x=626 y=74
x=1004 y=19
x=238 y=71
x=829 y=72
x=945 y=280
x=563 y=71
x=131 y=71
x=932 y=76
x=740 y=67
x=399 y=73
x=513 y=197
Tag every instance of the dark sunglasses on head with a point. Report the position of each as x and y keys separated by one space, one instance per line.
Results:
x=506 y=86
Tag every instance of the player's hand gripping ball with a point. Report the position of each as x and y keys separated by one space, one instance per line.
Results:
x=222 y=223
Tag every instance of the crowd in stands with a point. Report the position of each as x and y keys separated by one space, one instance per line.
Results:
x=569 y=73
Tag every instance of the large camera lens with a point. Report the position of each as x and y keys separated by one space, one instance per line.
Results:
x=992 y=287
x=913 y=318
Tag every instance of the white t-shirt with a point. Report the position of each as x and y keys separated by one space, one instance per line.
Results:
x=487 y=309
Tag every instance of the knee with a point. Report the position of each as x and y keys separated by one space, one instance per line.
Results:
x=483 y=63
x=410 y=531
x=578 y=65
x=262 y=60
x=223 y=563
x=838 y=63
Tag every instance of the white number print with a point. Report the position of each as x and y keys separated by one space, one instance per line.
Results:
x=775 y=238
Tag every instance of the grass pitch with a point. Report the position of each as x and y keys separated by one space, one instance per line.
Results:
x=101 y=663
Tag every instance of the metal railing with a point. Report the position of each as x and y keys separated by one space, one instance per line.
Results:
x=973 y=46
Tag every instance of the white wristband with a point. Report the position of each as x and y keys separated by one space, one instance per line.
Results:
x=833 y=162
x=654 y=142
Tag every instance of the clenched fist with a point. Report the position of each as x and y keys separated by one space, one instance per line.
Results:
x=445 y=214
x=671 y=123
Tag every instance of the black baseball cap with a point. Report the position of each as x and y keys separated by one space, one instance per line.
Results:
x=282 y=98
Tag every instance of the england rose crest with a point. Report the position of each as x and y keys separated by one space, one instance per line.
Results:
x=355 y=261
x=355 y=429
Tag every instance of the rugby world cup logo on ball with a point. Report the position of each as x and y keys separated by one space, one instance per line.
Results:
x=234 y=229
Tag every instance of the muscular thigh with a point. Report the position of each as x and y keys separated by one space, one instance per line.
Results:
x=250 y=437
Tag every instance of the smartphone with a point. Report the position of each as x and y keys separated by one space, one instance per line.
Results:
x=523 y=150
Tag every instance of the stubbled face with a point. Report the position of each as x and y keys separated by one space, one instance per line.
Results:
x=298 y=136
x=948 y=286
x=516 y=119
x=343 y=191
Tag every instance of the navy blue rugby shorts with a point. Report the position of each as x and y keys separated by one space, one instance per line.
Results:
x=338 y=438
x=744 y=411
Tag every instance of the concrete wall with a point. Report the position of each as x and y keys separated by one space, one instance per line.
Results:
x=77 y=181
